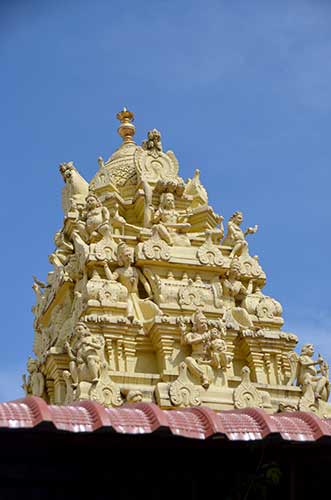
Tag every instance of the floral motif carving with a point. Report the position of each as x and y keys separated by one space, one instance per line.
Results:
x=156 y=248
x=210 y=254
x=182 y=392
x=246 y=394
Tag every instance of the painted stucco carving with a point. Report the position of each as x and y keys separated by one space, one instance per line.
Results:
x=147 y=300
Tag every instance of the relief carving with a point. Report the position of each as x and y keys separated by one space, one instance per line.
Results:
x=246 y=394
x=210 y=254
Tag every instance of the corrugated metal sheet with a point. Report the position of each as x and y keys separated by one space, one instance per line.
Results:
x=196 y=423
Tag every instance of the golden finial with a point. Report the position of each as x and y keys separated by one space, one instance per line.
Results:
x=126 y=129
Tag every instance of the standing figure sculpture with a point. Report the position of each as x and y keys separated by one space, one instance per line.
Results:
x=197 y=339
x=308 y=376
x=233 y=294
x=143 y=310
x=35 y=383
x=217 y=349
x=235 y=237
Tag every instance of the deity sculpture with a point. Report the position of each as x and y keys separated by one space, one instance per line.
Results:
x=235 y=237
x=209 y=349
x=87 y=356
x=143 y=310
x=95 y=223
x=169 y=222
x=233 y=294
x=217 y=349
x=308 y=375
x=197 y=339
x=153 y=143
x=64 y=249
x=35 y=383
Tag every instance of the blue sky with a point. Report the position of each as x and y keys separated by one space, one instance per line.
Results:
x=241 y=90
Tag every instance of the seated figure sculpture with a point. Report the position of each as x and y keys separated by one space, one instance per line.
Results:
x=170 y=224
x=309 y=377
x=235 y=237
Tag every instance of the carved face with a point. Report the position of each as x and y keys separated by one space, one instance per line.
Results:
x=32 y=365
x=202 y=324
x=238 y=218
x=124 y=255
x=92 y=202
x=168 y=201
x=308 y=349
x=81 y=329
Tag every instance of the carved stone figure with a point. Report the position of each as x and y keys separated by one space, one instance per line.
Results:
x=233 y=294
x=76 y=188
x=170 y=223
x=64 y=249
x=153 y=144
x=197 y=340
x=235 y=237
x=86 y=356
x=35 y=383
x=96 y=219
x=143 y=310
x=311 y=379
x=217 y=349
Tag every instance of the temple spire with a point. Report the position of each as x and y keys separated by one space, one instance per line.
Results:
x=126 y=129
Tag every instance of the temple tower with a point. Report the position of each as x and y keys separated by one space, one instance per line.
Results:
x=149 y=299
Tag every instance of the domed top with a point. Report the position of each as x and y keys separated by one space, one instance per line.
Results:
x=126 y=166
x=120 y=170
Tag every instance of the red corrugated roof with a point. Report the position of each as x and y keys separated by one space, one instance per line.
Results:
x=144 y=418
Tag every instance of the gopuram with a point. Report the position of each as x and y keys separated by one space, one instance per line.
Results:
x=151 y=300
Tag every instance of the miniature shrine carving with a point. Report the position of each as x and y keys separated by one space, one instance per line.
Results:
x=148 y=301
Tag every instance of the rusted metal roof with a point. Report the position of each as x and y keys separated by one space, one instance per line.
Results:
x=250 y=424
